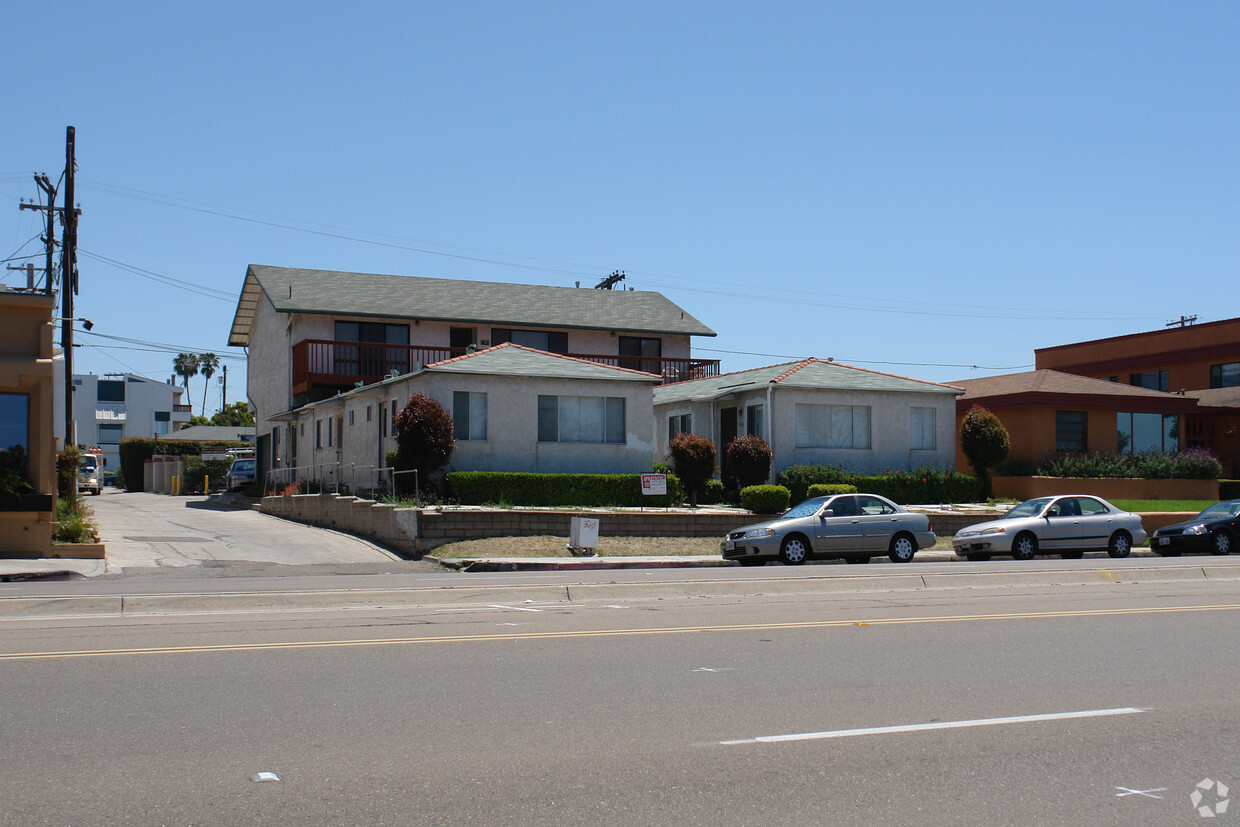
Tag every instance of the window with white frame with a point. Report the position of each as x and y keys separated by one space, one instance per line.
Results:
x=753 y=420
x=832 y=426
x=679 y=424
x=351 y=418
x=111 y=434
x=318 y=433
x=469 y=415
x=596 y=419
x=921 y=429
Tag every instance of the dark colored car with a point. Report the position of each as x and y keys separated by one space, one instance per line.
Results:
x=1214 y=530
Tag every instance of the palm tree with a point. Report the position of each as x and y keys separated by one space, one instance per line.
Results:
x=186 y=365
x=208 y=363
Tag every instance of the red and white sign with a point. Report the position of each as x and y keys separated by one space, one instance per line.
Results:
x=654 y=485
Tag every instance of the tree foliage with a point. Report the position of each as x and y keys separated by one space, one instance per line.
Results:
x=693 y=458
x=186 y=366
x=985 y=443
x=751 y=460
x=236 y=415
x=208 y=364
x=424 y=436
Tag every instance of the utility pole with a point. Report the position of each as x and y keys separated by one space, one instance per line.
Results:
x=1183 y=321
x=68 y=283
x=609 y=282
x=49 y=237
x=224 y=400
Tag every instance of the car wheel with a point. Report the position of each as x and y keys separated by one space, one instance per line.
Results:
x=794 y=550
x=1120 y=544
x=751 y=561
x=856 y=561
x=977 y=556
x=902 y=549
x=1220 y=542
x=1024 y=547
x=1072 y=555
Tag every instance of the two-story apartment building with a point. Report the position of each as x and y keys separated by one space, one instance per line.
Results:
x=108 y=409
x=1197 y=361
x=311 y=334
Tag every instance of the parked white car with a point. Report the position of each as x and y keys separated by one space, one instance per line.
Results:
x=1068 y=525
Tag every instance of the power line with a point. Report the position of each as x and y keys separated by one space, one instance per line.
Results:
x=865 y=361
x=180 y=284
x=161 y=346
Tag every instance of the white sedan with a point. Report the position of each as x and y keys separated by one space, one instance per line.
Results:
x=1068 y=525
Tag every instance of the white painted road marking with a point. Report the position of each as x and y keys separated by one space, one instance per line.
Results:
x=887 y=730
x=1146 y=793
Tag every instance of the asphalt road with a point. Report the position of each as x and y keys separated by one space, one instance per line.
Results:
x=1098 y=705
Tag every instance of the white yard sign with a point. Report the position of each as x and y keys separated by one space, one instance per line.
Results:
x=654 y=484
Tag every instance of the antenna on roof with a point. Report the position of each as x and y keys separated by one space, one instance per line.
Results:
x=609 y=282
x=1183 y=321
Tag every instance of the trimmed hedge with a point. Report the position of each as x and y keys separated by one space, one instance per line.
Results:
x=828 y=490
x=479 y=487
x=916 y=486
x=765 y=499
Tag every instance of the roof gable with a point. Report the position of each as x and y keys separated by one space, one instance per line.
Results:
x=292 y=290
x=517 y=360
x=807 y=374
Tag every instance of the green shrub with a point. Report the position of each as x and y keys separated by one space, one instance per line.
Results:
x=713 y=493
x=910 y=486
x=765 y=499
x=985 y=442
x=1229 y=489
x=1194 y=464
x=136 y=450
x=73 y=523
x=819 y=490
x=798 y=478
x=196 y=468
x=480 y=487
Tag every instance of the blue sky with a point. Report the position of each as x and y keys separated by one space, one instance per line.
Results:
x=912 y=187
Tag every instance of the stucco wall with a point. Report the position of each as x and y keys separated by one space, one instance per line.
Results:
x=269 y=366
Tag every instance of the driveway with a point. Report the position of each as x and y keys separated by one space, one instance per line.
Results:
x=156 y=531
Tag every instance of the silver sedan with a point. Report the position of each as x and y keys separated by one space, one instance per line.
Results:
x=1070 y=525
x=855 y=527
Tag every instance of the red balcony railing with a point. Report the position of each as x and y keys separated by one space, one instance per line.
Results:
x=325 y=364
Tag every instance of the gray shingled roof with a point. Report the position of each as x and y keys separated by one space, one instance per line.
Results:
x=211 y=433
x=814 y=374
x=515 y=360
x=451 y=300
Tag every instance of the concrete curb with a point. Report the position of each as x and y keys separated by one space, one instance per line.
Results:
x=191 y=603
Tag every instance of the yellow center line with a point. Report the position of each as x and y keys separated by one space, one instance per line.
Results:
x=671 y=630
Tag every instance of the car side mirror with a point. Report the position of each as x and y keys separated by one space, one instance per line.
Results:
x=826 y=512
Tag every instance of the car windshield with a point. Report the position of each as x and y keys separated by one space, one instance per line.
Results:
x=1029 y=508
x=1221 y=510
x=243 y=465
x=805 y=509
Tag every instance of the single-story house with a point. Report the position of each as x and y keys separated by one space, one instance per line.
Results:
x=513 y=409
x=816 y=411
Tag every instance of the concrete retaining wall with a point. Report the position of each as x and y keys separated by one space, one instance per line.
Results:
x=411 y=531
x=387 y=525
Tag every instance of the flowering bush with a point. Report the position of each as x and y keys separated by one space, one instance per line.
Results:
x=693 y=457
x=751 y=460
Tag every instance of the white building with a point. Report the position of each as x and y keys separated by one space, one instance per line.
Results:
x=107 y=409
x=513 y=409
x=817 y=412
x=313 y=334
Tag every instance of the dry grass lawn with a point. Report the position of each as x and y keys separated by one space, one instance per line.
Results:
x=547 y=546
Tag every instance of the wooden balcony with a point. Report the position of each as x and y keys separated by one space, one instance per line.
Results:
x=325 y=365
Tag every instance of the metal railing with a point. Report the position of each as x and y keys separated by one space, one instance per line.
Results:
x=332 y=475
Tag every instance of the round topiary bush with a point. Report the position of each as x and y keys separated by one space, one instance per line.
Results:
x=693 y=457
x=765 y=499
x=751 y=460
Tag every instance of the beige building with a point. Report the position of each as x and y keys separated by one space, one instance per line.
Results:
x=313 y=334
x=27 y=442
x=513 y=409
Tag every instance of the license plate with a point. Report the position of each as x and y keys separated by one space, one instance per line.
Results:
x=727 y=546
x=1163 y=541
